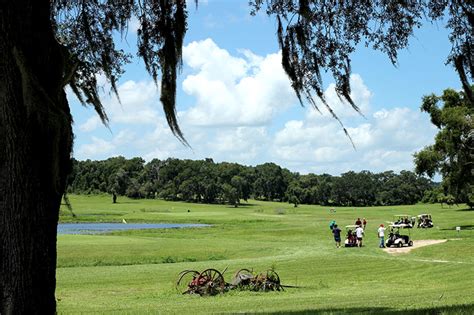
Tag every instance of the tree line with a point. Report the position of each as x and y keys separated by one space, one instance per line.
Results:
x=204 y=181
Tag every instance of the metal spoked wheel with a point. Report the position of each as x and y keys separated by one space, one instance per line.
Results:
x=211 y=282
x=273 y=276
x=185 y=280
x=273 y=281
x=212 y=275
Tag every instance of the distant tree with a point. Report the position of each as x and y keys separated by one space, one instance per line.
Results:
x=239 y=184
x=354 y=189
x=385 y=182
x=147 y=190
x=452 y=154
x=470 y=200
x=230 y=194
x=404 y=189
x=149 y=178
x=270 y=183
x=134 y=189
x=202 y=181
x=169 y=192
x=168 y=179
x=118 y=182
x=210 y=188
x=187 y=189
x=294 y=193
x=450 y=200
x=308 y=184
x=431 y=195
x=441 y=198
x=324 y=189
x=48 y=45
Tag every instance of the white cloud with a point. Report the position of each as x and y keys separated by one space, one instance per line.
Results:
x=362 y=135
x=386 y=140
x=243 y=144
x=386 y=159
x=91 y=124
x=139 y=104
x=161 y=143
x=98 y=147
x=405 y=128
x=240 y=101
x=134 y=24
x=360 y=94
x=234 y=91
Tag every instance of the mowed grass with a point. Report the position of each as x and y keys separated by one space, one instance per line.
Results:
x=135 y=271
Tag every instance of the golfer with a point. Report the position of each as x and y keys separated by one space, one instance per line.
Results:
x=337 y=235
x=359 y=234
x=381 y=235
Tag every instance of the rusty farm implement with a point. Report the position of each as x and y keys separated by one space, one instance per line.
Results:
x=211 y=281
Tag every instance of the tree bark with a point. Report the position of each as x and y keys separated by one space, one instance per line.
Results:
x=35 y=149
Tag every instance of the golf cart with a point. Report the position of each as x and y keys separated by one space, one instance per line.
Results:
x=425 y=221
x=397 y=240
x=351 y=239
x=405 y=219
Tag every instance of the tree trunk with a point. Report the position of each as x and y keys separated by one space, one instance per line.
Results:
x=35 y=148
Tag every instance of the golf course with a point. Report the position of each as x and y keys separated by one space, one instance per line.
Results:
x=135 y=271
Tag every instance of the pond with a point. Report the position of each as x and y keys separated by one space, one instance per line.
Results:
x=96 y=228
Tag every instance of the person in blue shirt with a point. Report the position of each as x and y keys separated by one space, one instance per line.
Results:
x=337 y=235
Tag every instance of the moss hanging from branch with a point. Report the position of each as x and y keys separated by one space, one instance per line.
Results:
x=313 y=36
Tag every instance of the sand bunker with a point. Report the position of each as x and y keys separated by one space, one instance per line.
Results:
x=416 y=244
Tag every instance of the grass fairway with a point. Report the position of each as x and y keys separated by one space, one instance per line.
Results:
x=135 y=271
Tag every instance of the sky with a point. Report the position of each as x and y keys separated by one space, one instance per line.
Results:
x=235 y=102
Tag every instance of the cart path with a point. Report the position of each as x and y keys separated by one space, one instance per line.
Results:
x=416 y=244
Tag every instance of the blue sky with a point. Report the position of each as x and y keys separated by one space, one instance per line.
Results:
x=235 y=103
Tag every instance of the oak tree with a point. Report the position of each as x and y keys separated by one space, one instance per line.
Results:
x=452 y=154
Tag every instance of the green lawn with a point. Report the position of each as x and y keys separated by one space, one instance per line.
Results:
x=135 y=271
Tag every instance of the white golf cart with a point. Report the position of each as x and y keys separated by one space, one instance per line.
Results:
x=406 y=219
x=425 y=221
x=396 y=239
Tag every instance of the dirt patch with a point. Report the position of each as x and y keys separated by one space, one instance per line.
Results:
x=416 y=244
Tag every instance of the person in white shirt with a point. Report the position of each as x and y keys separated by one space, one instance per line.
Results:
x=359 y=234
x=381 y=235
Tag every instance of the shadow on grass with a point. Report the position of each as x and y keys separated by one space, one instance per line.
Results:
x=467 y=309
x=243 y=205
x=463 y=227
x=466 y=209
x=126 y=202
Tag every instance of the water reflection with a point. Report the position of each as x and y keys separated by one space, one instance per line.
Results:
x=96 y=228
